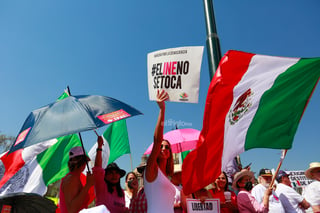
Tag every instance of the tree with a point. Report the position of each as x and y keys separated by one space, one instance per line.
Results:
x=5 y=142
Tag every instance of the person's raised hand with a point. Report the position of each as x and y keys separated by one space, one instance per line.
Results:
x=268 y=191
x=161 y=98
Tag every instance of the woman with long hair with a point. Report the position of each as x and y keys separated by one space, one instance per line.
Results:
x=132 y=186
x=228 y=199
x=159 y=190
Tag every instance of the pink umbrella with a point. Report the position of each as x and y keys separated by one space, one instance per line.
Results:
x=180 y=139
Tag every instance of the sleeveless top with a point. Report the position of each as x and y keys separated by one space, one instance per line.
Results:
x=160 y=194
x=62 y=203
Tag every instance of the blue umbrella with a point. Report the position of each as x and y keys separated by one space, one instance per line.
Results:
x=71 y=115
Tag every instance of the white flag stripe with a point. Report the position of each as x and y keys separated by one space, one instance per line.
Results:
x=35 y=183
x=105 y=154
x=30 y=152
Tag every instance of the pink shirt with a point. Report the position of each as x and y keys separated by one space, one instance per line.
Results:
x=114 y=203
x=247 y=203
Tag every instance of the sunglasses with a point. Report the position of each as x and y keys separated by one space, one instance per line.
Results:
x=165 y=146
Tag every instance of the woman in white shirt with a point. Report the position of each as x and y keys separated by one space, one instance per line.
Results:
x=159 y=190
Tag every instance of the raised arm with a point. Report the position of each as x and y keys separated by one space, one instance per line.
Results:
x=98 y=160
x=265 y=199
x=151 y=171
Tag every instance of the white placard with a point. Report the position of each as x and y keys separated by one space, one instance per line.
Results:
x=209 y=206
x=177 y=71
x=298 y=178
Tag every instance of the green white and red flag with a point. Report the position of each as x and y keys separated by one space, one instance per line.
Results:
x=33 y=168
x=254 y=101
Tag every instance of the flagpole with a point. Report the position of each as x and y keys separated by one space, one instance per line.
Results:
x=213 y=44
x=130 y=154
x=284 y=152
x=131 y=161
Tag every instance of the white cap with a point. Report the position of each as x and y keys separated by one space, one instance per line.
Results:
x=77 y=151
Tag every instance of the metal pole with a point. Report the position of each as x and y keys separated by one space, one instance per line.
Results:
x=213 y=44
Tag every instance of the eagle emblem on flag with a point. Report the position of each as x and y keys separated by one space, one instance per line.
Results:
x=240 y=107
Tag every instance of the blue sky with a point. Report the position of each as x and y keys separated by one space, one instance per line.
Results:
x=100 y=47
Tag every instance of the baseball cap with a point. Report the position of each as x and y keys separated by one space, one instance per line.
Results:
x=77 y=151
x=281 y=174
x=265 y=172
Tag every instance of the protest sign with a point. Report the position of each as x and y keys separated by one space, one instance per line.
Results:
x=177 y=71
x=298 y=178
x=209 y=206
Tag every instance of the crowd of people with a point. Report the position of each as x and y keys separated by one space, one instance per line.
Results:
x=162 y=190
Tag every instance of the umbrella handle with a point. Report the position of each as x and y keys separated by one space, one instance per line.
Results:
x=96 y=133
x=84 y=151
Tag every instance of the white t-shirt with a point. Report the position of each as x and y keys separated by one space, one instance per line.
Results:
x=289 y=198
x=274 y=201
x=127 y=198
x=312 y=193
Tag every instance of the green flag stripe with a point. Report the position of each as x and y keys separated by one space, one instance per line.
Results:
x=54 y=161
x=118 y=140
x=276 y=120
x=63 y=96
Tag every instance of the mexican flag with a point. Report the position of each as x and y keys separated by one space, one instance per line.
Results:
x=254 y=101
x=33 y=168
x=116 y=143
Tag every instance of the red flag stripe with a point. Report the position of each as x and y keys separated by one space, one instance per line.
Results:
x=12 y=163
x=203 y=165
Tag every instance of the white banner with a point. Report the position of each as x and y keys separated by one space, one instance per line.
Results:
x=298 y=179
x=177 y=71
x=209 y=206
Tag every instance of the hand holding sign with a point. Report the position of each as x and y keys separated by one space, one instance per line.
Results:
x=161 y=98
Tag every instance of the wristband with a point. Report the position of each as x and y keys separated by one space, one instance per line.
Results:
x=99 y=149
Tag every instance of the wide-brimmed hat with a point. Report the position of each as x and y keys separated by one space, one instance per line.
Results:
x=240 y=175
x=114 y=166
x=312 y=166
x=77 y=151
